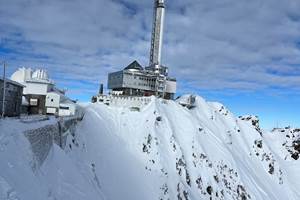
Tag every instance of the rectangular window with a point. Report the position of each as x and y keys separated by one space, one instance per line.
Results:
x=64 y=108
x=33 y=102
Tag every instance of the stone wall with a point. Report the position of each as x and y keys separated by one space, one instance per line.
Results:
x=43 y=138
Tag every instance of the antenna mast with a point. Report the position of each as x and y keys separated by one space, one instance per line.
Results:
x=157 y=33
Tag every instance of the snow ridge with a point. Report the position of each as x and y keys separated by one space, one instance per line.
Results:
x=166 y=152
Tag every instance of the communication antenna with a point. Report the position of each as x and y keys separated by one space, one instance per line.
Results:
x=157 y=32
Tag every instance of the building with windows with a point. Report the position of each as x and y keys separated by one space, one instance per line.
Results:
x=134 y=80
x=58 y=104
x=37 y=85
x=13 y=97
x=40 y=94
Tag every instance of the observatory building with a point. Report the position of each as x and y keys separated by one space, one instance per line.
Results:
x=40 y=95
x=135 y=80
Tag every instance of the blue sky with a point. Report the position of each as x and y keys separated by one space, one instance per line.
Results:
x=245 y=54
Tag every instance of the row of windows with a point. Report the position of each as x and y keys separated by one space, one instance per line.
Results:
x=145 y=79
x=145 y=84
x=119 y=76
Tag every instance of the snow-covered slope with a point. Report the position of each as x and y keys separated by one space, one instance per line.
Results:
x=164 y=151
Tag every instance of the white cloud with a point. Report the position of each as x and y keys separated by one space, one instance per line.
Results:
x=232 y=44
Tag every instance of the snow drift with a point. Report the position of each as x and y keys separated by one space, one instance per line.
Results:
x=164 y=151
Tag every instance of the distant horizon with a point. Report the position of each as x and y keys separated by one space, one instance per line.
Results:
x=230 y=101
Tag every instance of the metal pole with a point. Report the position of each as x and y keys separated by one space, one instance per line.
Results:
x=4 y=90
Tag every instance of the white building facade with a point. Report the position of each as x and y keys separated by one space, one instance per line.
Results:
x=40 y=93
x=58 y=104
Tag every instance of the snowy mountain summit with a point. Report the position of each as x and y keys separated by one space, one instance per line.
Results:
x=163 y=151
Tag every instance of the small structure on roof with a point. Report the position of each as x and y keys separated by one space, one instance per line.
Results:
x=187 y=101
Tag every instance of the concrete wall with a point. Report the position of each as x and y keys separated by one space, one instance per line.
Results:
x=171 y=86
x=52 y=100
x=115 y=80
x=37 y=88
x=124 y=101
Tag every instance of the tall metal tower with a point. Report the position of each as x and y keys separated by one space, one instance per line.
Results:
x=157 y=33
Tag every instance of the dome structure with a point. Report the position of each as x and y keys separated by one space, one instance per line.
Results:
x=22 y=74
